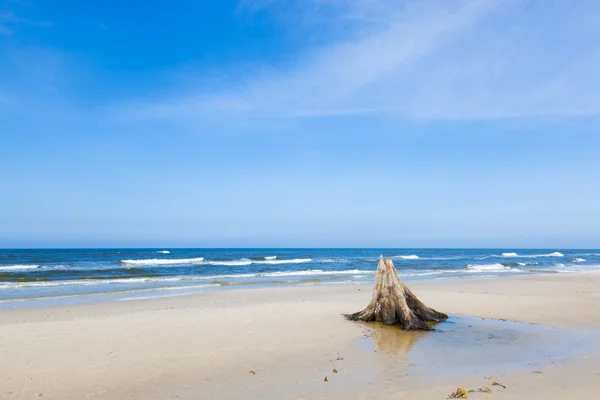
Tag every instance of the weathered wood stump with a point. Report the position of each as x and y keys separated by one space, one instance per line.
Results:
x=394 y=304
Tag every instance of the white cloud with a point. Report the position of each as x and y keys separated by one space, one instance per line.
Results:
x=463 y=59
x=332 y=80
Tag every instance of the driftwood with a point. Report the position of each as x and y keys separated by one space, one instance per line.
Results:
x=394 y=304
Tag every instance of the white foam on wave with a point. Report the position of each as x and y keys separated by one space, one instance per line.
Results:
x=524 y=264
x=232 y=263
x=411 y=257
x=17 y=267
x=487 y=267
x=578 y=260
x=276 y=262
x=202 y=261
x=89 y=282
x=157 y=261
x=163 y=252
x=83 y=282
x=271 y=258
x=510 y=255
x=308 y=272
x=554 y=254
x=247 y=261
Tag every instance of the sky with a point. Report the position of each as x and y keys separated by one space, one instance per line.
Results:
x=300 y=123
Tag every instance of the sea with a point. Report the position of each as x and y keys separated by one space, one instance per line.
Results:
x=29 y=277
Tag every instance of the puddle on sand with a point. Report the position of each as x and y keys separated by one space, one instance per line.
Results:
x=466 y=344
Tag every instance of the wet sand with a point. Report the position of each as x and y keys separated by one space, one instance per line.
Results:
x=281 y=344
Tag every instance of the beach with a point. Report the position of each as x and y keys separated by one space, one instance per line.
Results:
x=282 y=342
x=213 y=200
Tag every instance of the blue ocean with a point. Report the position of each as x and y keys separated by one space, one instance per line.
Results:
x=80 y=275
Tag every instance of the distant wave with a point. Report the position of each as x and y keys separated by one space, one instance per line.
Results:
x=202 y=261
x=247 y=261
x=411 y=257
x=487 y=267
x=86 y=282
x=332 y=260
x=271 y=258
x=156 y=261
x=293 y=261
x=315 y=272
x=233 y=263
x=578 y=260
x=452 y=258
x=163 y=252
x=310 y=272
x=519 y=264
x=523 y=264
x=555 y=254
x=17 y=267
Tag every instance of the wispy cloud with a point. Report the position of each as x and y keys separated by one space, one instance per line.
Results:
x=9 y=20
x=409 y=59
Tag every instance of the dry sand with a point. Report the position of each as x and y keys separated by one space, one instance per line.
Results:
x=281 y=343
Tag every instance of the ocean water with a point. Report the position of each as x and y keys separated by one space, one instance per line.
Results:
x=85 y=274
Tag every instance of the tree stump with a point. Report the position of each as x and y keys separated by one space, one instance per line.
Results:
x=394 y=304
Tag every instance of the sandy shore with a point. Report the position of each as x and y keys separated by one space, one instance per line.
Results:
x=281 y=343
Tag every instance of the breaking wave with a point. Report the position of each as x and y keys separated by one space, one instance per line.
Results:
x=554 y=254
x=247 y=261
x=411 y=257
x=17 y=267
x=202 y=261
x=156 y=261
x=487 y=267
x=163 y=252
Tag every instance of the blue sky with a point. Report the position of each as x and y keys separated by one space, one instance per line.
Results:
x=300 y=123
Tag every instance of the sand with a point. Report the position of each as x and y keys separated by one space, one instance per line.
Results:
x=281 y=343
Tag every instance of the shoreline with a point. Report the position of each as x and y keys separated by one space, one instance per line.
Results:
x=203 y=345
x=69 y=300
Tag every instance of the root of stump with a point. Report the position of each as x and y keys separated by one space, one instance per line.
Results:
x=394 y=304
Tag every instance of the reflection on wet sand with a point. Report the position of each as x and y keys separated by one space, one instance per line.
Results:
x=471 y=344
x=393 y=339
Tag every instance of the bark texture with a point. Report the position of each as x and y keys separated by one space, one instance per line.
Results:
x=394 y=304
